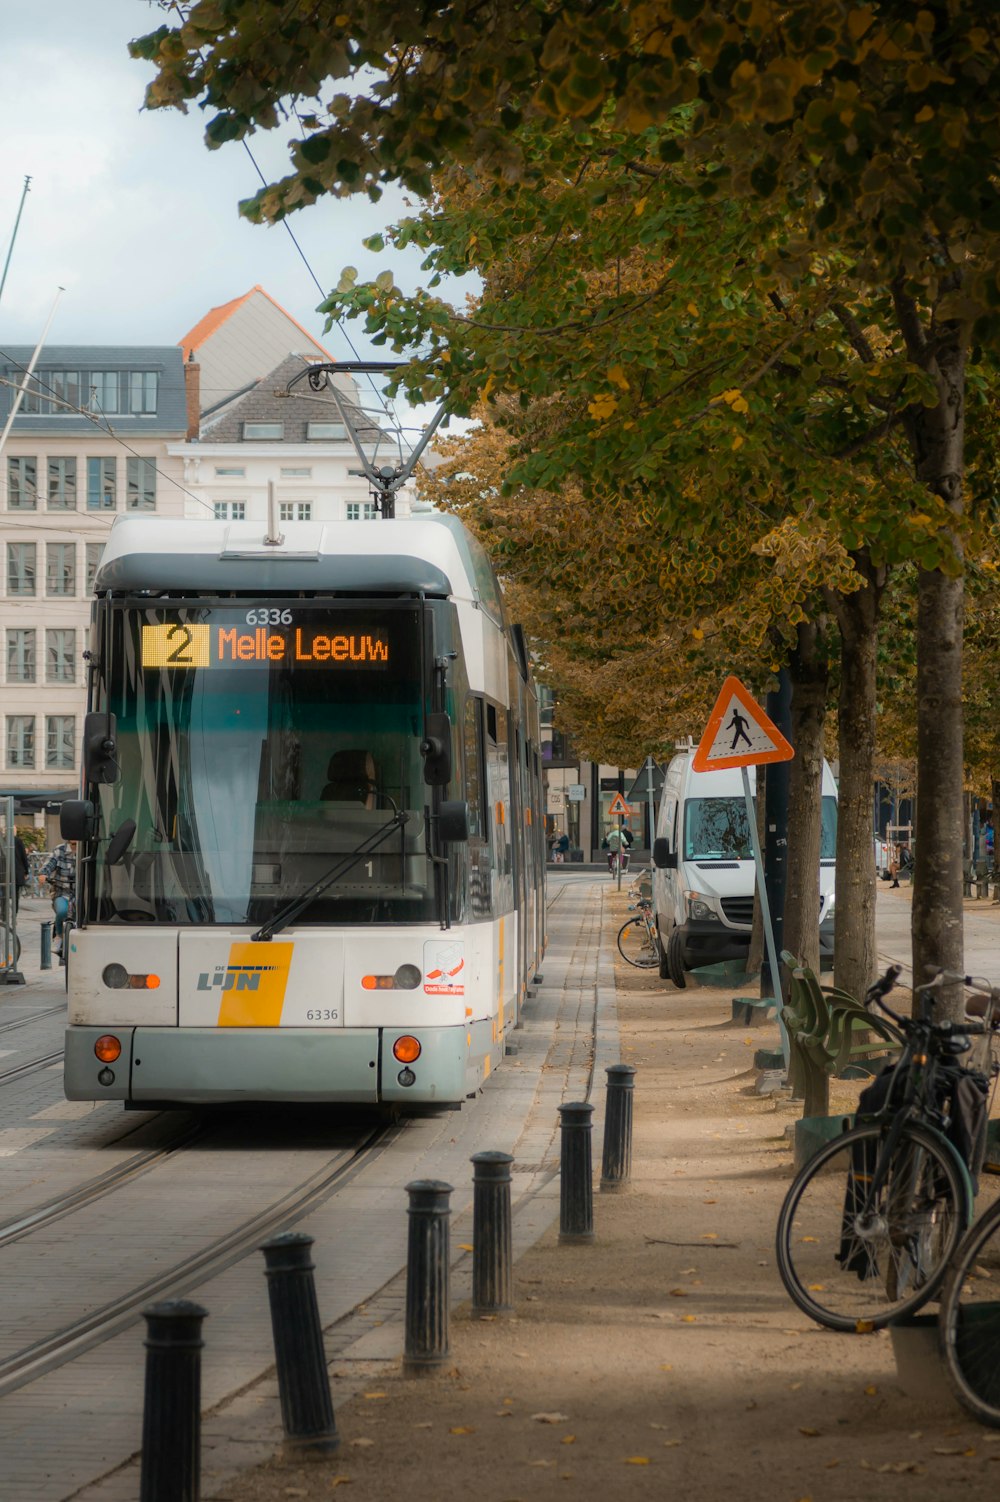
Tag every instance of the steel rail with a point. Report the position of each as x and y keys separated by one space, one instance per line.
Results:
x=93 y=1329
x=31 y=1067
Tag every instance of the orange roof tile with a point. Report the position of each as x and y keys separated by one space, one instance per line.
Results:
x=216 y=317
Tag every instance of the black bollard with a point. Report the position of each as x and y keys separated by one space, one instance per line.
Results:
x=492 y=1240
x=46 y=962
x=171 y=1420
x=427 y=1277
x=303 y=1381
x=576 y=1189
x=616 y=1164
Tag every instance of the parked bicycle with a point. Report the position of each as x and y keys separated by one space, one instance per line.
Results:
x=870 y=1223
x=969 y=1318
x=638 y=940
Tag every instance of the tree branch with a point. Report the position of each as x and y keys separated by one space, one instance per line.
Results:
x=909 y=322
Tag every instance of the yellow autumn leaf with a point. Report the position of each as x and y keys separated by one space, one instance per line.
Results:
x=602 y=406
x=568 y=1439
x=922 y=116
x=738 y=441
x=640 y=205
x=463 y=1246
x=340 y=1481
x=461 y=1429
x=689 y=1319
x=709 y=1235
x=698 y=634
x=692 y=308
x=376 y=1394
x=490 y=383
x=810 y=1433
x=870 y=1391
x=637 y=1460
x=617 y=377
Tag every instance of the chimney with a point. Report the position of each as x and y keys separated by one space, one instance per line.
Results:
x=192 y=393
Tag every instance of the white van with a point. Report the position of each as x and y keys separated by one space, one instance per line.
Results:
x=703 y=869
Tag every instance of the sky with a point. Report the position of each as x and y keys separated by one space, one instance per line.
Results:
x=131 y=213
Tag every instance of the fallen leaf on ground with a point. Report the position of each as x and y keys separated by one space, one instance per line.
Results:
x=870 y=1390
x=689 y=1319
x=810 y=1433
x=463 y=1246
x=667 y=1368
x=541 y=1464
x=424 y=1425
x=340 y=1480
x=671 y=1444
x=359 y=1444
x=709 y=1235
x=568 y=1439
x=504 y=1413
x=461 y=1429
x=376 y=1394
x=637 y=1460
x=794 y=1386
x=678 y=1293
x=952 y=1450
x=831 y=1465
x=551 y=1418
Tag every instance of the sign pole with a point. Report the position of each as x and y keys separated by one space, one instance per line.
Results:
x=765 y=912
x=621 y=840
x=652 y=805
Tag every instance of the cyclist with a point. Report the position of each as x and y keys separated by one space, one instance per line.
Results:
x=60 y=873
x=618 y=841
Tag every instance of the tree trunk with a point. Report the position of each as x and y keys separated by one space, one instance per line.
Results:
x=937 y=858
x=810 y=671
x=937 y=442
x=855 y=958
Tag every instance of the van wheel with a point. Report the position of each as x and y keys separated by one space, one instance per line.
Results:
x=675 y=961
x=664 y=962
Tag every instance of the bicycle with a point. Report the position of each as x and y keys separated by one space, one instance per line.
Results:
x=618 y=858
x=638 y=940
x=969 y=1317
x=870 y=1223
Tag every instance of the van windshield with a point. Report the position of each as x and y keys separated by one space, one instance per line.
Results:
x=716 y=829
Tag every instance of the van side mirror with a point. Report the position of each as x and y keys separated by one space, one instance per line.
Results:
x=435 y=748
x=77 y=819
x=100 y=748
x=453 y=821
x=664 y=859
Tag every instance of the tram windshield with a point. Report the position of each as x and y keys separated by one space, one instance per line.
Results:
x=257 y=746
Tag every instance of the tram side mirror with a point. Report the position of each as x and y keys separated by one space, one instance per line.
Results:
x=78 y=819
x=664 y=859
x=435 y=748
x=100 y=748
x=453 y=821
x=119 y=842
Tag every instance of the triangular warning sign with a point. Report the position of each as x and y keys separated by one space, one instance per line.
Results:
x=739 y=734
x=619 y=808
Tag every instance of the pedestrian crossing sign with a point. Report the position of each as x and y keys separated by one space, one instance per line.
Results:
x=739 y=734
x=619 y=808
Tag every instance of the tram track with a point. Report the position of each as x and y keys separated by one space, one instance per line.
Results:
x=9 y=1027
x=101 y=1324
x=32 y=1066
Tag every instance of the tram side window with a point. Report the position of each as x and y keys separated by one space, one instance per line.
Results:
x=473 y=769
x=498 y=785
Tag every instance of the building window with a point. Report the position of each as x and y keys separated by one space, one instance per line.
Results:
x=60 y=568
x=94 y=551
x=328 y=430
x=22 y=488
x=141 y=484
x=20 y=568
x=60 y=742
x=142 y=386
x=263 y=430
x=103 y=390
x=295 y=511
x=60 y=656
x=295 y=474
x=231 y=471
x=102 y=494
x=230 y=511
x=20 y=740
x=20 y=655
x=358 y=511
x=62 y=484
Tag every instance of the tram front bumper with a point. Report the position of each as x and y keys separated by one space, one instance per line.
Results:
x=205 y=1066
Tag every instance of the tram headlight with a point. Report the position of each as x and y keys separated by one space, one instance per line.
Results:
x=406 y=1049
x=115 y=977
x=108 y=1048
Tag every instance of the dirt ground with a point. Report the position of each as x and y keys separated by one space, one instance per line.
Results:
x=665 y=1358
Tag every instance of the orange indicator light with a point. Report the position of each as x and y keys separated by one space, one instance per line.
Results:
x=107 y=1048
x=143 y=982
x=406 y=1050
x=378 y=982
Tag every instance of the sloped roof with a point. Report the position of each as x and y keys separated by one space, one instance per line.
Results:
x=294 y=412
x=216 y=317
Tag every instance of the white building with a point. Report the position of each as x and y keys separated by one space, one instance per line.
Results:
x=90 y=441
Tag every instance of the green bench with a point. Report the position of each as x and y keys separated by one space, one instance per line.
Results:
x=828 y=1033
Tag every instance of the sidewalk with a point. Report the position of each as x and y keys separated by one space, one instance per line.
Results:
x=665 y=1358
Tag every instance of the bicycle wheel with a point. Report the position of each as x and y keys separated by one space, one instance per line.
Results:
x=637 y=946
x=852 y=1261
x=969 y=1323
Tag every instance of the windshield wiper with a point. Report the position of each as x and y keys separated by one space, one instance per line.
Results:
x=291 y=910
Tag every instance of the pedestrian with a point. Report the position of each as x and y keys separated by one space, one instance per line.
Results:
x=60 y=873
x=22 y=870
x=562 y=848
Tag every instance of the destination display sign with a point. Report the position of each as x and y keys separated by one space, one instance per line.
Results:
x=177 y=644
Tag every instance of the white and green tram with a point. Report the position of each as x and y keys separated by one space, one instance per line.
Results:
x=311 y=830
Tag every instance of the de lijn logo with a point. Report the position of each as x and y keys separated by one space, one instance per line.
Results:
x=233 y=977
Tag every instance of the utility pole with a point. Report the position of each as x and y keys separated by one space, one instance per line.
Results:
x=10 y=249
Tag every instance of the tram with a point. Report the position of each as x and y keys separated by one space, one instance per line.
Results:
x=311 y=833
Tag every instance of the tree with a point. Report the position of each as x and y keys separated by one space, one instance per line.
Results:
x=871 y=130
